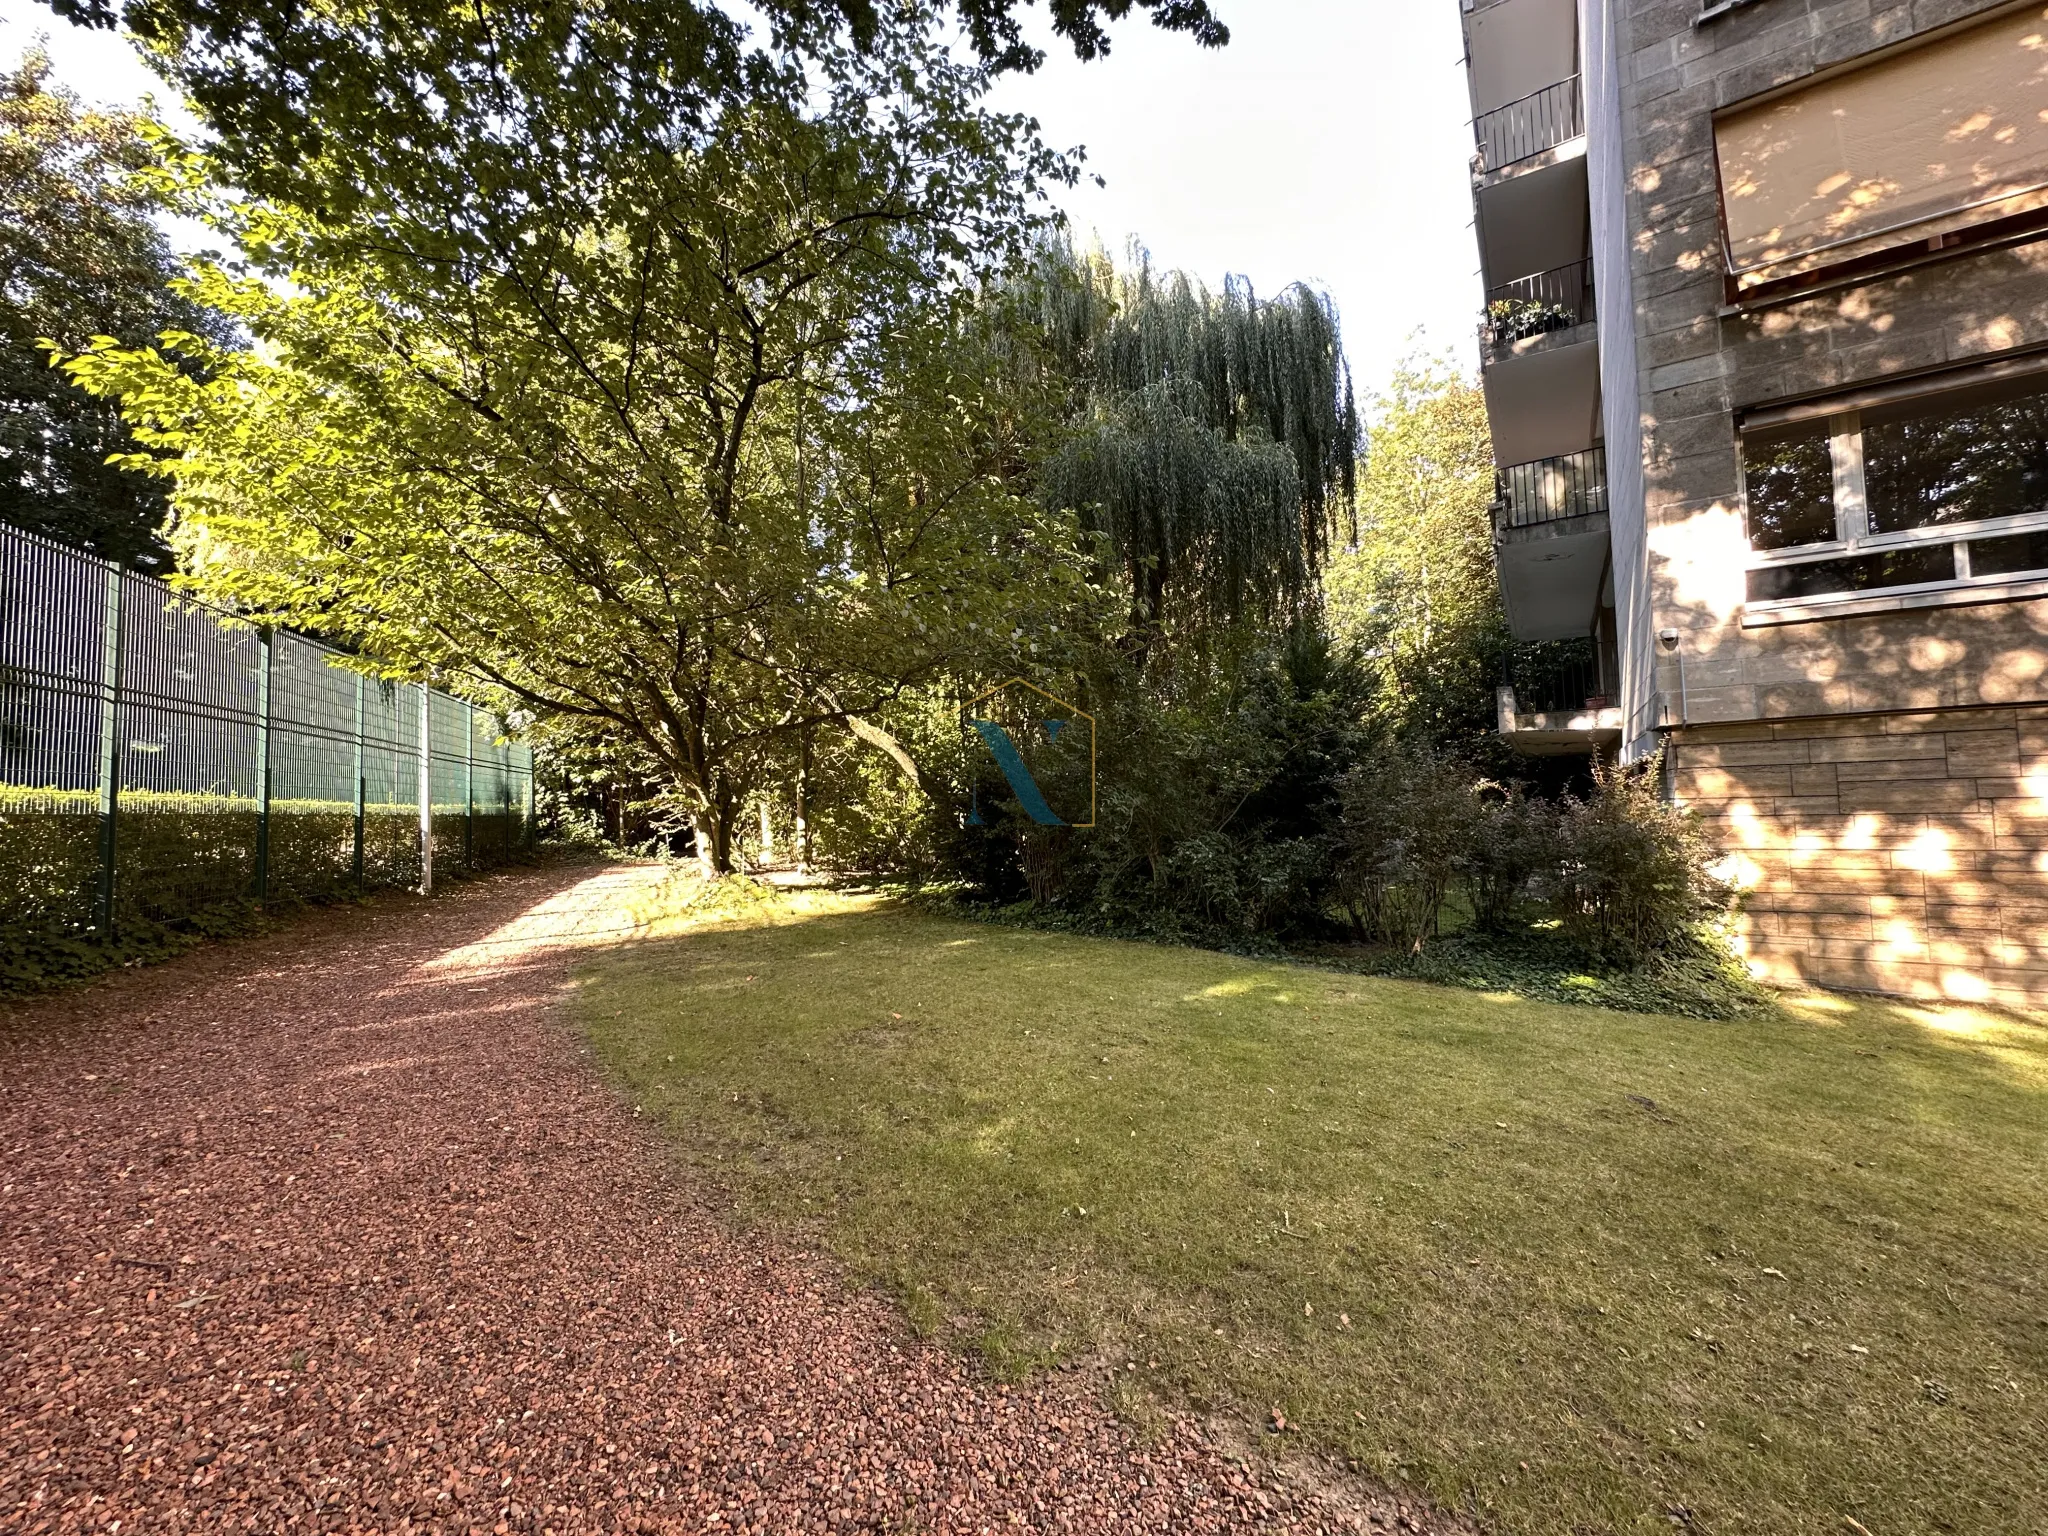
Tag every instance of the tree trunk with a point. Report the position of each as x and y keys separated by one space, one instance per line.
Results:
x=713 y=827
x=803 y=805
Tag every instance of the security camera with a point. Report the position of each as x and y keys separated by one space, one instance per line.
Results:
x=1668 y=638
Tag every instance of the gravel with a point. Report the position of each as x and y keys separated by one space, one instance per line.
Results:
x=337 y=1229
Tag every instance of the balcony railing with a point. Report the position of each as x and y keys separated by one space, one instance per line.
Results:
x=1547 y=490
x=1555 y=300
x=1541 y=120
x=1559 y=676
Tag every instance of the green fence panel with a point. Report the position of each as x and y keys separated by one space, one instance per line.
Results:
x=159 y=761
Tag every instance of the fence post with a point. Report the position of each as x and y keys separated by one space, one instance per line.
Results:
x=426 y=790
x=263 y=640
x=531 y=832
x=110 y=749
x=469 y=786
x=356 y=861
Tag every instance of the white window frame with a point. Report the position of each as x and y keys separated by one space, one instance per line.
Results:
x=1853 y=537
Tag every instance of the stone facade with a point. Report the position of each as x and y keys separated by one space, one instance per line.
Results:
x=1900 y=852
x=1882 y=777
x=1700 y=366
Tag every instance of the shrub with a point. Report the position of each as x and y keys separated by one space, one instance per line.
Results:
x=1215 y=813
x=1409 y=825
x=1633 y=874
x=1515 y=840
x=185 y=865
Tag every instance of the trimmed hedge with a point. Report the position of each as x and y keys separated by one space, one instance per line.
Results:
x=185 y=865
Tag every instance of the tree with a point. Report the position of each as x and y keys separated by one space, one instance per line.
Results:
x=1418 y=595
x=659 y=411
x=79 y=256
x=1212 y=438
x=259 y=45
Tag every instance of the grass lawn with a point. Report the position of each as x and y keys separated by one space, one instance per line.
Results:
x=1574 y=1270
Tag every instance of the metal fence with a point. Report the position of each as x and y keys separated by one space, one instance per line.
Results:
x=1557 y=675
x=157 y=761
x=1539 y=304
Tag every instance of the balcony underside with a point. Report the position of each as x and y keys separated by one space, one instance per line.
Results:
x=1552 y=575
x=1545 y=400
x=1533 y=217
x=1516 y=47
x=1561 y=733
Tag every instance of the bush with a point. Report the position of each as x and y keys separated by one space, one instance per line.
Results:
x=1632 y=873
x=185 y=867
x=1409 y=830
x=1515 y=842
x=1214 y=810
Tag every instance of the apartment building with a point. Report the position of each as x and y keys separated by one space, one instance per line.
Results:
x=1766 y=359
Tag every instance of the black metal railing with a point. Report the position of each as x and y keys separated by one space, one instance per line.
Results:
x=1547 y=490
x=1541 y=120
x=1549 y=301
x=1558 y=676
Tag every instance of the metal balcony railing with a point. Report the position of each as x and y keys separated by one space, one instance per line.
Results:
x=1560 y=676
x=1541 y=120
x=1555 y=300
x=1546 y=490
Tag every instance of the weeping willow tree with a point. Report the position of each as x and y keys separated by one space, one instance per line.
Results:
x=1212 y=439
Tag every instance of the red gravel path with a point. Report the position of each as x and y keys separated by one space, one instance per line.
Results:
x=337 y=1230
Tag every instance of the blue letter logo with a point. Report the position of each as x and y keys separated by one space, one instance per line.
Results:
x=995 y=735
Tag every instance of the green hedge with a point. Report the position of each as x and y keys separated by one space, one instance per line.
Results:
x=185 y=865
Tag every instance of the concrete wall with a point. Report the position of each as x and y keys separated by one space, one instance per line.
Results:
x=1902 y=853
x=1698 y=368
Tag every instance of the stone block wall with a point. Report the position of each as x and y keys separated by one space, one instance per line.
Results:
x=1903 y=853
x=1701 y=364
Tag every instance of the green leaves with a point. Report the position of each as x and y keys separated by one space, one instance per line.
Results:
x=1418 y=595
x=79 y=255
x=1212 y=436
x=655 y=411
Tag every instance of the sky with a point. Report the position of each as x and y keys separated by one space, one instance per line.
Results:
x=1328 y=143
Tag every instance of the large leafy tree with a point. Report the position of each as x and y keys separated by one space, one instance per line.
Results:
x=1211 y=443
x=80 y=256
x=255 y=46
x=659 y=407
x=1417 y=595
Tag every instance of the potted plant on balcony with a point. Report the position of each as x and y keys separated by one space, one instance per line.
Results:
x=1512 y=320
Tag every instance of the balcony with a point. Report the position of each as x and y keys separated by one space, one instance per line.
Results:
x=1554 y=701
x=1572 y=485
x=1540 y=122
x=1540 y=305
x=1551 y=544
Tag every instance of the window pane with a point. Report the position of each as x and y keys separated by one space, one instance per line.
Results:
x=1790 y=479
x=2013 y=553
x=1817 y=578
x=1958 y=461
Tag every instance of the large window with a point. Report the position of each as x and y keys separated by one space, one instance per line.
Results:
x=1790 y=477
x=1978 y=456
x=1925 y=493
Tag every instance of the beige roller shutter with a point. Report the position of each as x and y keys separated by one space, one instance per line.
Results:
x=1923 y=142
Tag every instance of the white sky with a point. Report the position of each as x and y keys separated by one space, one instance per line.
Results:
x=1328 y=143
